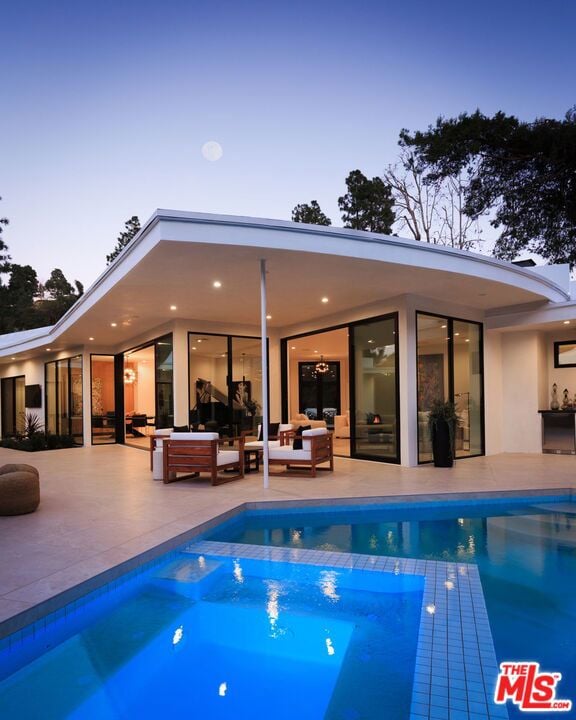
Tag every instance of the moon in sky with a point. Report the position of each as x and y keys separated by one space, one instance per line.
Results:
x=212 y=150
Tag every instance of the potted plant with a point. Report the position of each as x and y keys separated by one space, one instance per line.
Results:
x=443 y=421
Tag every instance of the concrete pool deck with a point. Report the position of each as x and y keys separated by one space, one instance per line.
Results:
x=101 y=509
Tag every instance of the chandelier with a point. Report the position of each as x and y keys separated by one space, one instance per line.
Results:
x=129 y=376
x=321 y=367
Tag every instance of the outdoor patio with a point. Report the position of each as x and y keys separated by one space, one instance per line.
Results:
x=100 y=508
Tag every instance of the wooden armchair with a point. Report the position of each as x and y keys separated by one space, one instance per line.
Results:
x=316 y=449
x=198 y=452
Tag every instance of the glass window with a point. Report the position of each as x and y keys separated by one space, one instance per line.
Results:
x=450 y=368
x=246 y=383
x=468 y=387
x=164 y=382
x=376 y=432
x=51 y=399
x=13 y=409
x=103 y=399
x=225 y=382
x=319 y=390
x=433 y=374
x=64 y=398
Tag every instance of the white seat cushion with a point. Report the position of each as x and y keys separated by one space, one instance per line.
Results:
x=288 y=453
x=227 y=456
x=259 y=444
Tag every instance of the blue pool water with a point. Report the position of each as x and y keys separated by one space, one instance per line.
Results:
x=526 y=555
x=206 y=637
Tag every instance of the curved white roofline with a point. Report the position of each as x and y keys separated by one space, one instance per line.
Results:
x=298 y=237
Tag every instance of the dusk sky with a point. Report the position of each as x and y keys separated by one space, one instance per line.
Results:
x=106 y=104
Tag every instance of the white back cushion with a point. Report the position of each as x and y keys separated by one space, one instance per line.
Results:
x=194 y=436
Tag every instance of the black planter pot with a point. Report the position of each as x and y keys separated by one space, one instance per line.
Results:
x=441 y=445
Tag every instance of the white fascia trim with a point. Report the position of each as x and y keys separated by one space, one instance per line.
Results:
x=547 y=314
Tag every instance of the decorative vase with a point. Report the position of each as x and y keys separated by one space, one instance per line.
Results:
x=442 y=444
x=554 y=403
x=565 y=399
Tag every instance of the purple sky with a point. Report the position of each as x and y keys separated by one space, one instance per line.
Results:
x=106 y=105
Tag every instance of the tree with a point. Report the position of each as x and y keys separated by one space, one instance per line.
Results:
x=57 y=286
x=61 y=296
x=4 y=257
x=368 y=204
x=131 y=229
x=524 y=173
x=311 y=214
x=22 y=288
x=433 y=211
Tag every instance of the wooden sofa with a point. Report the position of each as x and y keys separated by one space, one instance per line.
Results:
x=316 y=449
x=190 y=454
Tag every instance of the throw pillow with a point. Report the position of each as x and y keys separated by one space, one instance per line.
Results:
x=272 y=431
x=297 y=444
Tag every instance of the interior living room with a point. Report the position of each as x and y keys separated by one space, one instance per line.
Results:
x=318 y=383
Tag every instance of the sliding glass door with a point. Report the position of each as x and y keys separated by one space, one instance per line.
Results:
x=375 y=431
x=450 y=369
x=13 y=410
x=63 y=382
x=225 y=382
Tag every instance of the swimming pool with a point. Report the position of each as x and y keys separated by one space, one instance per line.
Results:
x=226 y=637
x=525 y=553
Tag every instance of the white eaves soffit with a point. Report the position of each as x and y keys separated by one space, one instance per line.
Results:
x=177 y=256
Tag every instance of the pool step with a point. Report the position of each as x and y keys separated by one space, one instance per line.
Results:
x=191 y=577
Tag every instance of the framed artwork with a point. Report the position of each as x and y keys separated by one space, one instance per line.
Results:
x=241 y=391
x=430 y=380
x=565 y=354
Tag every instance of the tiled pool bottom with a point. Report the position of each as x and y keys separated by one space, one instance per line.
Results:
x=211 y=632
x=456 y=666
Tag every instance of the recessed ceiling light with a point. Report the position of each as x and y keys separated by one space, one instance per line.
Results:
x=173 y=307
x=90 y=338
x=467 y=340
x=199 y=340
x=315 y=351
x=217 y=284
x=370 y=341
x=293 y=347
x=13 y=358
x=443 y=326
x=456 y=334
x=48 y=349
x=268 y=317
x=324 y=299
x=113 y=324
x=194 y=348
x=566 y=322
x=223 y=355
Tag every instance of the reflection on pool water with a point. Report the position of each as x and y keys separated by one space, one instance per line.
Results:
x=526 y=555
x=228 y=638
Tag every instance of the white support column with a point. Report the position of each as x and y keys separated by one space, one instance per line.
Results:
x=408 y=390
x=180 y=375
x=265 y=409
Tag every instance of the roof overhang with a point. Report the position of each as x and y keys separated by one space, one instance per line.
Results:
x=177 y=256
